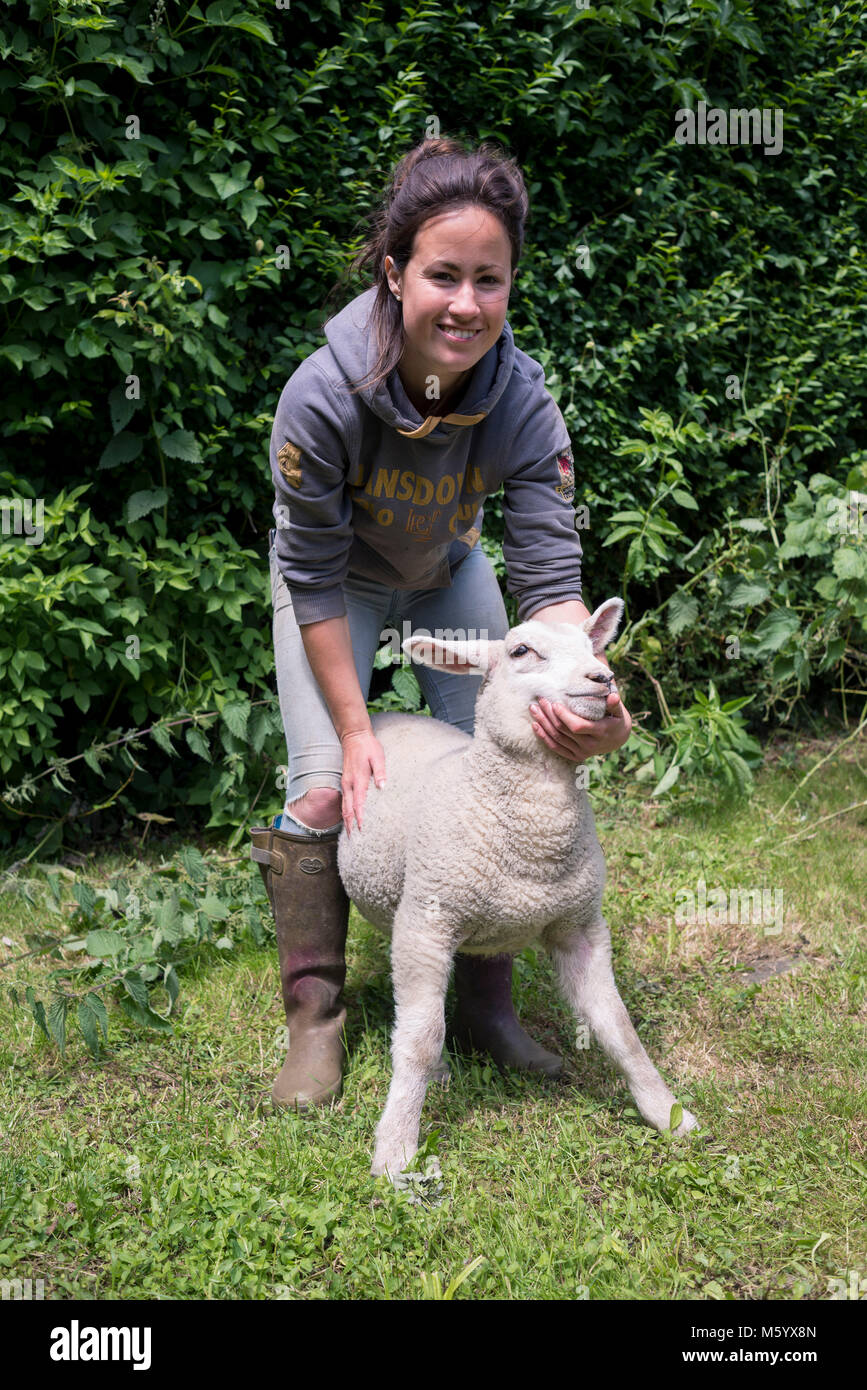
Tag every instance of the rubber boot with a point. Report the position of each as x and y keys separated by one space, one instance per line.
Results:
x=484 y=1019
x=311 y=912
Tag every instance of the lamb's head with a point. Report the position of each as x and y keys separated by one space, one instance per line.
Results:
x=560 y=662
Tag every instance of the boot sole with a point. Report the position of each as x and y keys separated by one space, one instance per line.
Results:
x=323 y=1098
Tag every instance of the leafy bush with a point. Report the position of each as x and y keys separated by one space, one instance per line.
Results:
x=185 y=184
x=127 y=951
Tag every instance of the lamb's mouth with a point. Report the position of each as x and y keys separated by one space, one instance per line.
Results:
x=569 y=696
x=574 y=695
x=582 y=706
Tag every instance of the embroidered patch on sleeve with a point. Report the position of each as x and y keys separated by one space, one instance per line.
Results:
x=566 y=465
x=289 y=459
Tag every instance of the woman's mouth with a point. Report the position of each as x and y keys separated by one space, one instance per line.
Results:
x=458 y=335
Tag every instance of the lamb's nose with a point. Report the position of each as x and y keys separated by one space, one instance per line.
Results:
x=603 y=677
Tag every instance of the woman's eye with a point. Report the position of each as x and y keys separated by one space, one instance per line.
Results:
x=520 y=650
x=444 y=275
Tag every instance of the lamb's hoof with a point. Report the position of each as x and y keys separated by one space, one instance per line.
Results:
x=390 y=1160
x=658 y=1112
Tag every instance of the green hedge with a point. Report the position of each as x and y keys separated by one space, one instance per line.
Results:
x=708 y=351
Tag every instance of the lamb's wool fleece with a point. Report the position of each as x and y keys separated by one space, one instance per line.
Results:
x=485 y=845
x=497 y=846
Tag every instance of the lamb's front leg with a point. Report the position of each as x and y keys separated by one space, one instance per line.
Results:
x=420 y=970
x=583 y=965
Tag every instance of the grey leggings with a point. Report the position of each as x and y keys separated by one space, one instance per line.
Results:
x=472 y=607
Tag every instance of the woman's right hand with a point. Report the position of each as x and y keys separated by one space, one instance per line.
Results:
x=363 y=754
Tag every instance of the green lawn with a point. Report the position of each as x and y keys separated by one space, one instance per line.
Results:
x=161 y=1171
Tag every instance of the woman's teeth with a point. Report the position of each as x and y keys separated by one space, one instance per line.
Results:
x=460 y=335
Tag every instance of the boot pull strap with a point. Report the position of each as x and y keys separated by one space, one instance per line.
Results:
x=269 y=857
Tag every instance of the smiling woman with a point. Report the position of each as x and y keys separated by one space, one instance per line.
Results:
x=386 y=443
x=453 y=312
x=443 y=249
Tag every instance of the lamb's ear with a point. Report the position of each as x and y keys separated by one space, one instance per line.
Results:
x=603 y=624
x=462 y=658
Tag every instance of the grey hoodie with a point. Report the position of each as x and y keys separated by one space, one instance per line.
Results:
x=364 y=485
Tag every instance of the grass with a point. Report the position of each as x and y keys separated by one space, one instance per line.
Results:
x=161 y=1171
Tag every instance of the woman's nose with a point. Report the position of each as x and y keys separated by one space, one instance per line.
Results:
x=464 y=300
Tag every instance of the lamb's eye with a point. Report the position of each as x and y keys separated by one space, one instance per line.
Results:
x=520 y=650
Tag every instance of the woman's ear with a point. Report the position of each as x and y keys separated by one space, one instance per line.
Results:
x=392 y=275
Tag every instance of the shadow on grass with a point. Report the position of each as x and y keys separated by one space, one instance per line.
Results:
x=477 y=1083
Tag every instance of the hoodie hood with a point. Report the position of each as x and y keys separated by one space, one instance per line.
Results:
x=351 y=339
x=364 y=487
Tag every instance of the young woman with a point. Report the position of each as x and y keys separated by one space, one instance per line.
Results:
x=386 y=443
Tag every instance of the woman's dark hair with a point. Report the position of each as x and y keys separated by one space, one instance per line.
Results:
x=434 y=177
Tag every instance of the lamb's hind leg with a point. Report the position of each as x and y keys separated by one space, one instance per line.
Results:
x=420 y=971
x=583 y=965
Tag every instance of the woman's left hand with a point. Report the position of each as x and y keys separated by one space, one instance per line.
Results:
x=575 y=738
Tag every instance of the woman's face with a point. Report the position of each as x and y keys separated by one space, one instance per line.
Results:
x=454 y=292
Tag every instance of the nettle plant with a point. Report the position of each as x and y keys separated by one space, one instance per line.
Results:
x=120 y=947
x=786 y=595
x=780 y=597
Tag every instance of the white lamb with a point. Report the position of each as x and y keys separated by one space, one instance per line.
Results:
x=487 y=844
